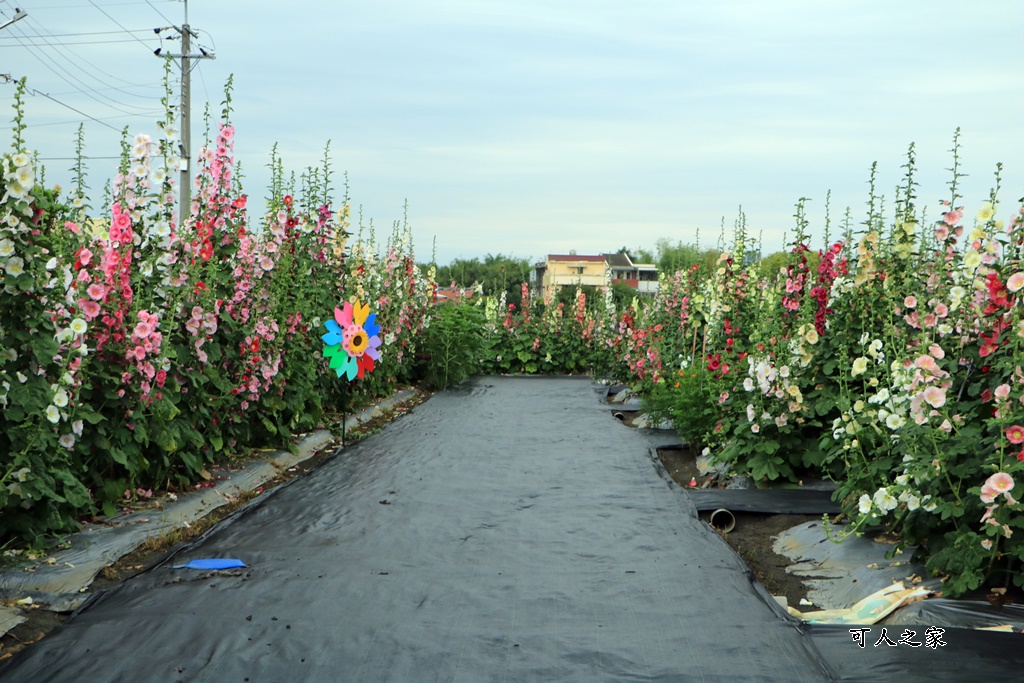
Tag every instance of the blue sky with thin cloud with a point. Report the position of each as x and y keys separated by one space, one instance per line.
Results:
x=536 y=127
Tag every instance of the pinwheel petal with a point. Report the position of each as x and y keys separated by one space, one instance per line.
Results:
x=351 y=369
x=371 y=326
x=359 y=313
x=332 y=338
x=365 y=365
x=346 y=365
x=373 y=353
x=344 y=314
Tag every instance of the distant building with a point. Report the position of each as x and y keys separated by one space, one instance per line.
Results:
x=559 y=271
x=643 y=277
x=457 y=295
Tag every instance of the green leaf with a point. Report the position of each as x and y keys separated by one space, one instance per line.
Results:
x=268 y=424
x=168 y=439
x=217 y=441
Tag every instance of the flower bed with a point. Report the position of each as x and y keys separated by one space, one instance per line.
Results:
x=890 y=361
x=135 y=350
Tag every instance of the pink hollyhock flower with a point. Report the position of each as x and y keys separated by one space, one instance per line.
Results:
x=941 y=233
x=96 y=291
x=910 y=301
x=935 y=397
x=1002 y=391
x=941 y=310
x=91 y=309
x=84 y=256
x=988 y=494
x=927 y=363
x=122 y=222
x=143 y=329
x=1015 y=282
x=1000 y=482
x=936 y=352
x=989 y=510
x=1015 y=434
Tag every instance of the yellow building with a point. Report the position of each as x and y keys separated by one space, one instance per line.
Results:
x=559 y=271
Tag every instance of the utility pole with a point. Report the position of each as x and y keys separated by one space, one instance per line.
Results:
x=187 y=64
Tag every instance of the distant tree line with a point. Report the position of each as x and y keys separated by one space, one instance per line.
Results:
x=497 y=273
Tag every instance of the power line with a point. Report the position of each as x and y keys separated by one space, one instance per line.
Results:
x=90 y=33
x=29 y=126
x=109 y=4
x=71 y=80
x=77 y=42
x=159 y=12
x=33 y=91
x=79 y=58
x=117 y=22
x=130 y=85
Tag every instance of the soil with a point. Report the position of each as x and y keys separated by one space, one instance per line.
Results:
x=754 y=533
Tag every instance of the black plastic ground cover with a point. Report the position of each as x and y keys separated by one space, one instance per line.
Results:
x=509 y=530
x=778 y=501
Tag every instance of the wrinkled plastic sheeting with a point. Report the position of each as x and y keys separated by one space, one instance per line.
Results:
x=508 y=529
x=9 y=618
x=778 y=501
x=841 y=574
x=966 y=656
x=961 y=614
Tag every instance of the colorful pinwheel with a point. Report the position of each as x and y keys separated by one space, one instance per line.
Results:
x=352 y=340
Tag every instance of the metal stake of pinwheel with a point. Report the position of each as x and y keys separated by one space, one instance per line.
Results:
x=352 y=344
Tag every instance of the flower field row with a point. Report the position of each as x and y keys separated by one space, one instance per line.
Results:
x=135 y=350
x=889 y=361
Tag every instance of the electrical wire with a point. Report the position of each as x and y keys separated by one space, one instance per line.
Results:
x=159 y=12
x=109 y=4
x=79 y=42
x=75 y=60
x=71 y=80
x=28 y=126
x=117 y=22
x=79 y=35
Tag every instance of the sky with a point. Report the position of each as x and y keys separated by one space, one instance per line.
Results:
x=533 y=127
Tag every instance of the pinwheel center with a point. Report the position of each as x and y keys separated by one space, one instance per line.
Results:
x=359 y=343
x=357 y=340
